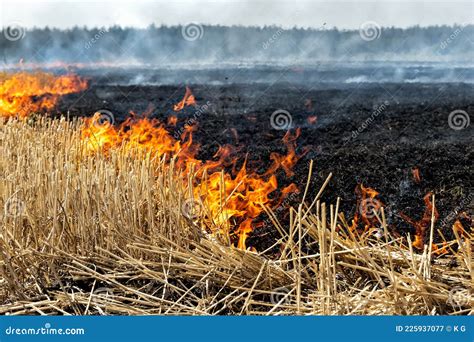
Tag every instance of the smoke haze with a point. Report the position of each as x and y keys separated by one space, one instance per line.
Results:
x=198 y=45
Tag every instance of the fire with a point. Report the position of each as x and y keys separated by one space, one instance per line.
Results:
x=424 y=223
x=238 y=198
x=288 y=161
x=312 y=119
x=23 y=93
x=459 y=229
x=100 y=136
x=188 y=100
x=416 y=174
x=134 y=134
x=234 y=199
x=172 y=120
x=440 y=248
x=367 y=206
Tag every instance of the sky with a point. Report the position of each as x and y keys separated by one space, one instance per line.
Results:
x=141 y=13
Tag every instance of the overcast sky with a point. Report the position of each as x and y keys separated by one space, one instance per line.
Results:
x=140 y=13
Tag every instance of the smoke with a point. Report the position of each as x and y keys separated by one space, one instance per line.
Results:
x=199 y=45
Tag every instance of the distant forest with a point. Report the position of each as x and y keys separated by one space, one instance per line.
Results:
x=220 y=44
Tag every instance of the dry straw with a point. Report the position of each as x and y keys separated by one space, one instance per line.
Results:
x=105 y=234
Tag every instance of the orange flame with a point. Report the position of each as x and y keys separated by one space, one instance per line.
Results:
x=459 y=229
x=423 y=224
x=172 y=120
x=367 y=204
x=188 y=100
x=288 y=161
x=416 y=174
x=440 y=248
x=135 y=134
x=312 y=119
x=23 y=93
x=234 y=199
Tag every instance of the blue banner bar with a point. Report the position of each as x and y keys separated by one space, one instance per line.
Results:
x=243 y=328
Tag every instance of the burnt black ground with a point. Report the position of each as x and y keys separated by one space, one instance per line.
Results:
x=407 y=127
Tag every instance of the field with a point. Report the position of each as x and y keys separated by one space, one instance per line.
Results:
x=131 y=216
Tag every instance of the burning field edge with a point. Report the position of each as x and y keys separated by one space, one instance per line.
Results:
x=119 y=232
